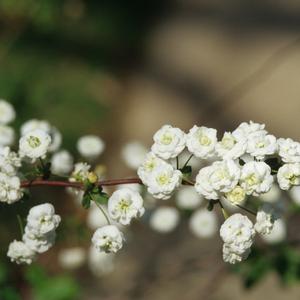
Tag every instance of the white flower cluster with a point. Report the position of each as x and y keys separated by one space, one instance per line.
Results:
x=39 y=234
x=124 y=205
x=237 y=233
x=10 y=185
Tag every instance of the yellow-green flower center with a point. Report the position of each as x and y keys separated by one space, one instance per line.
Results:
x=166 y=139
x=163 y=179
x=34 y=141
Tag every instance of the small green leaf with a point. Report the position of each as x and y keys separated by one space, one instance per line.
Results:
x=86 y=201
x=101 y=198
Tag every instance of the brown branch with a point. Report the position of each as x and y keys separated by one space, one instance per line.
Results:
x=78 y=185
x=40 y=182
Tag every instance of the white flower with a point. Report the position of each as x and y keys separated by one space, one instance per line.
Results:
x=203 y=223
x=39 y=244
x=232 y=257
x=272 y=196
x=277 y=234
x=245 y=129
x=20 y=253
x=80 y=173
x=188 y=198
x=42 y=219
x=72 y=258
x=90 y=146
x=10 y=188
x=256 y=178
x=289 y=150
x=264 y=221
x=61 y=163
x=100 y=263
x=108 y=239
x=238 y=232
x=34 y=144
x=260 y=145
x=236 y=196
x=221 y=176
x=7 y=136
x=164 y=219
x=9 y=161
x=7 y=112
x=231 y=148
x=124 y=205
x=201 y=141
x=163 y=182
x=35 y=124
x=169 y=142
x=295 y=194
x=288 y=175
x=150 y=163
x=134 y=154
x=45 y=126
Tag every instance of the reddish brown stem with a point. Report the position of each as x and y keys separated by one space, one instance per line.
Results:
x=111 y=182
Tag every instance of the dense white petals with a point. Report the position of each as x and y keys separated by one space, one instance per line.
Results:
x=61 y=163
x=150 y=163
x=256 y=178
x=236 y=196
x=231 y=148
x=203 y=223
x=164 y=219
x=7 y=112
x=201 y=141
x=169 y=142
x=90 y=146
x=108 y=239
x=124 y=205
x=264 y=220
x=220 y=177
x=245 y=129
x=80 y=173
x=42 y=219
x=238 y=231
x=9 y=161
x=261 y=145
x=163 y=182
x=20 y=253
x=34 y=144
x=134 y=154
x=39 y=243
x=288 y=175
x=10 y=188
x=289 y=150
x=230 y=256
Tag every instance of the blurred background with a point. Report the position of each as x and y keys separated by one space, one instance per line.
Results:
x=120 y=70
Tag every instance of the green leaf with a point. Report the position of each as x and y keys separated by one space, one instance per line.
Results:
x=86 y=201
x=101 y=198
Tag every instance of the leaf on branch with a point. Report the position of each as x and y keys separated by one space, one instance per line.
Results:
x=86 y=201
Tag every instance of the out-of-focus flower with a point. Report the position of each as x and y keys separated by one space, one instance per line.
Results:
x=164 y=219
x=134 y=154
x=90 y=146
x=72 y=258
